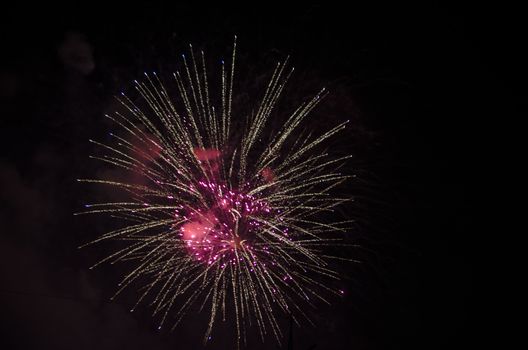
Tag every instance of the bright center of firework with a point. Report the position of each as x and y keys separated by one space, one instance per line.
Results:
x=228 y=222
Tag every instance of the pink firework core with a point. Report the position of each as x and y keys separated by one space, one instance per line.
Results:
x=229 y=222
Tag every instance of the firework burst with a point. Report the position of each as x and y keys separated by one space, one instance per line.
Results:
x=227 y=214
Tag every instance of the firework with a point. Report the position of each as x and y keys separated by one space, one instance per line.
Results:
x=221 y=214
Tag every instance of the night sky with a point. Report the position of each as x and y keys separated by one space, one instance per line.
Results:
x=421 y=87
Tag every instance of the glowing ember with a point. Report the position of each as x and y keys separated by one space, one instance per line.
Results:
x=228 y=224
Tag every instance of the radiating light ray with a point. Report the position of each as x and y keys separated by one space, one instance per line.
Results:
x=218 y=217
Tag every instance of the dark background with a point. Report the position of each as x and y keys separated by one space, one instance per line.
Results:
x=426 y=89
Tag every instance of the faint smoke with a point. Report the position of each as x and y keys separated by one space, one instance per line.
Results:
x=9 y=84
x=76 y=53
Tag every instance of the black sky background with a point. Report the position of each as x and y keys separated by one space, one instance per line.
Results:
x=423 y=87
